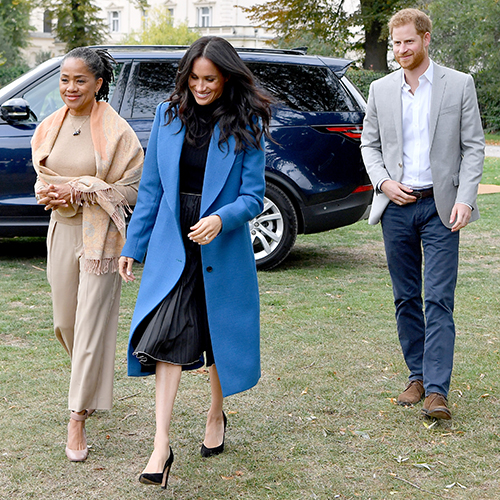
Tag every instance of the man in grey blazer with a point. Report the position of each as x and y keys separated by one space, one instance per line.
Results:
x=423 y=147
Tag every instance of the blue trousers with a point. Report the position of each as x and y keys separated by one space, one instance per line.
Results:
x=414 y=235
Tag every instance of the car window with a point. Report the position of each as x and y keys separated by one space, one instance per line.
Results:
x=154 y=84
x=45 y=98
x=303 y=88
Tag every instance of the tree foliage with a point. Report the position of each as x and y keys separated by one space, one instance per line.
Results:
x=296 y=22
x=161 y=31
x=78 y=22
x=466 y=37
x=14 y=35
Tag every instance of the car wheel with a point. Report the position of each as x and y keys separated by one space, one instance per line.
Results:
x=274 y=230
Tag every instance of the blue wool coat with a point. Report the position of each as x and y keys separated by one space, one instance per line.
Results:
x=233 y=188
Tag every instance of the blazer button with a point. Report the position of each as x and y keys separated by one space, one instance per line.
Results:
x=209 y=269
x=400 y=165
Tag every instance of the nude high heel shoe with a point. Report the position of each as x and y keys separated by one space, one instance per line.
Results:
x=78 y=455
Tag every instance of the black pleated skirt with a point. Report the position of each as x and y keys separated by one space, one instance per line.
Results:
x=177 y=330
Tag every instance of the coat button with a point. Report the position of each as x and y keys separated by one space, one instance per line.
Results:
x=400 y=165
x=209 y=269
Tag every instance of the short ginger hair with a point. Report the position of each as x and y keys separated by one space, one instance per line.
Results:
x=419 y=19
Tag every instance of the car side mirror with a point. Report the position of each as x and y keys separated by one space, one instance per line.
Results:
x=15 y=110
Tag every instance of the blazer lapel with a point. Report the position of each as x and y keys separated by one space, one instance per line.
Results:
x=438 y=89
x=394 y=103
x=219 y=164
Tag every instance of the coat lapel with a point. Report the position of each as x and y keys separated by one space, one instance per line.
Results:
x=170 y=142
x=438 y=88
x=219 y=164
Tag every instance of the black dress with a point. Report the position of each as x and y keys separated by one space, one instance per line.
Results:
x=177 y=330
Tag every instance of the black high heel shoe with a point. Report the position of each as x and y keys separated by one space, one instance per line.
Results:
x=159 y=478
x=209 y=452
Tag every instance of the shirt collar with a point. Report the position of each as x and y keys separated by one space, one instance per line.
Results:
x=428 y=75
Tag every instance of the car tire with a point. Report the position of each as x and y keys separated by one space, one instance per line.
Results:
x=274 y=230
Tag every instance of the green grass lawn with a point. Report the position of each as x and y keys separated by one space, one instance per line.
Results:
x=321 y=424
x=493 y=138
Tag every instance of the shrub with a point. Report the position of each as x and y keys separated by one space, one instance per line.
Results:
x=9 y=73
x=362 y=78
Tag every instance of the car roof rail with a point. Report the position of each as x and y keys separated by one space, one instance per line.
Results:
x=136 y=47
x=269 y=50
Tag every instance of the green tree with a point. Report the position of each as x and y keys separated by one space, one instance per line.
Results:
x=465 y=36
x=327 y=21
x=14 y=35
x=299 y=22
x=161 y=31
x=78 y=22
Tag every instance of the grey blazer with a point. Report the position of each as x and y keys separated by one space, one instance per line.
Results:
x=456 y=140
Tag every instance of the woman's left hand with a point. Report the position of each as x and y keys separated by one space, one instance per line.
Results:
x=54 y=196
x=205 y=230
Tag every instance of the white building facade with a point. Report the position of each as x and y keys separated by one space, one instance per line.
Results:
x=209 y=17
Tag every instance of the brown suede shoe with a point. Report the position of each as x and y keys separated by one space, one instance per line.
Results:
x=413 y=393
x=436 y=406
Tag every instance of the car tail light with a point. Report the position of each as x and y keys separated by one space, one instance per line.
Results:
x=352 y=131
x=362 y=189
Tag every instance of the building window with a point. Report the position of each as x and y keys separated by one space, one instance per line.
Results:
x=171 y=12
x=47 y=21
x=204 y=17
x=114 y=21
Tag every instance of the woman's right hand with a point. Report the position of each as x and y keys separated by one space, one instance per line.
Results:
x=54 y=196
x=125 y=268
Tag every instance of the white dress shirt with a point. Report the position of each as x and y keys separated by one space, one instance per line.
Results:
x=416 y=114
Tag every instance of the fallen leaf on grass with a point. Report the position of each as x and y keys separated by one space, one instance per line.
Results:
x=429 y=426
x=203 y=371
x=400 y=459
x=362 y=434
x=485 y=396
x=422 y=466
x=449 y=486
x=304 y=391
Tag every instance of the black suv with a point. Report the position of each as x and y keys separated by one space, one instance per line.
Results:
x=316 y=180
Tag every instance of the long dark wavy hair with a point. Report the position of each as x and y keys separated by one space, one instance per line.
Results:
x=244 y=110
x=100 y=63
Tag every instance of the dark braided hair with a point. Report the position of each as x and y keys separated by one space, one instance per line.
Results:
x=244 y=111
x=100 y=64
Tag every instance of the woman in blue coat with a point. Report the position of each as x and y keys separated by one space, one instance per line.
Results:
x=203 y=181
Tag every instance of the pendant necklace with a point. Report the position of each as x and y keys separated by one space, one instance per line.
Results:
x=78 y=131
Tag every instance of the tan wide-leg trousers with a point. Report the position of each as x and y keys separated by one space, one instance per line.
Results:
x=86 y=308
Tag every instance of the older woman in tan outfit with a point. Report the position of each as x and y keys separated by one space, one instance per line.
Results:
x=89 y=163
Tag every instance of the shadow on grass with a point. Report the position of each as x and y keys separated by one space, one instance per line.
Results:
x=22 y=248
x=309 y=257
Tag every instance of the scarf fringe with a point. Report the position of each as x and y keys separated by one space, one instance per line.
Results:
x=101 y=197
x=99 y=267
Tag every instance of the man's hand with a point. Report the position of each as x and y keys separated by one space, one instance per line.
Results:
x=397 y=193
x=460 y=216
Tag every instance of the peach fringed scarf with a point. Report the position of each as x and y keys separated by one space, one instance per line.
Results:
x=119 y=158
